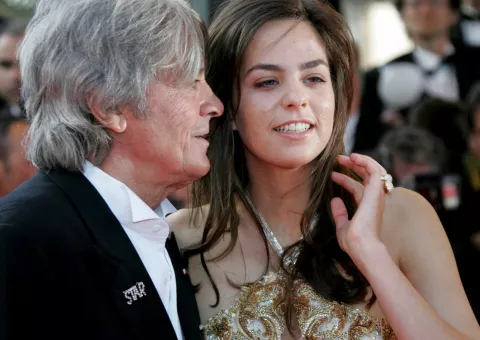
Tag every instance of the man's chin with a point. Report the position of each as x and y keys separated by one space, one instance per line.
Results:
x=198 y=171
x=428 y=35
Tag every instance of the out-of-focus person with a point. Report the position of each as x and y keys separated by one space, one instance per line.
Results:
x=435 y=68
x=10 y=81
x=445 y=120
x=14 y=167
x=409 y=153
x=467 y=30
x=416 y=159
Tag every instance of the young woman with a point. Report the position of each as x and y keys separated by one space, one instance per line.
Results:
x=284 y=241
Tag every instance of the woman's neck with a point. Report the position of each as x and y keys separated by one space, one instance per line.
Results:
x=280 y=196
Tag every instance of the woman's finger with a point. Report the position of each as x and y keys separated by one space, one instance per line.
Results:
x=371 y=166
x=374 y=185
x=350 y=184
x=348 y=163
x=340 y=214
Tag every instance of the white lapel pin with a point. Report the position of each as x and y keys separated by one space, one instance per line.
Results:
x=135 y=292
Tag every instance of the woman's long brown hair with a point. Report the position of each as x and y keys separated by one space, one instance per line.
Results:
x=321 y=262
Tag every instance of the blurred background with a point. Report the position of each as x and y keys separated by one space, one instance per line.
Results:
x=375 y=24
x=416 y=108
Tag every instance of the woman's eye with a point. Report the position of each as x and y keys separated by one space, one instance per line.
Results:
x=314 y=80
x=266 y=83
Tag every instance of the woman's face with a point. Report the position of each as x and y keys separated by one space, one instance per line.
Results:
x=287 y=102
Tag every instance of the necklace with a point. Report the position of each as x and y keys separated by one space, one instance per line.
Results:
x=272 y=239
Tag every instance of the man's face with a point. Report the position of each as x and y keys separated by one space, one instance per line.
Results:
x=9 y=69
x=169 y=142
x=428 y=19
x=16 y=169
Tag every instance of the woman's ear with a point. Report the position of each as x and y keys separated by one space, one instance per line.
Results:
x=114 y=120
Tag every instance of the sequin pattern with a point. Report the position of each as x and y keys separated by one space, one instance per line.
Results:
x=258 y=314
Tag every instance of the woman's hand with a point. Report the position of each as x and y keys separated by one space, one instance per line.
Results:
x=363 y=231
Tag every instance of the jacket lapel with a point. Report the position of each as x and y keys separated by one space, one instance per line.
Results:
x=186 y=303
x=408 y=58
x=115 y=261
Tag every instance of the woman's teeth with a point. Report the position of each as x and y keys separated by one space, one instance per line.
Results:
x=294 y=127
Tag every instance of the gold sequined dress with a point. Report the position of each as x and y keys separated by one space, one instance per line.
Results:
x=258 y=313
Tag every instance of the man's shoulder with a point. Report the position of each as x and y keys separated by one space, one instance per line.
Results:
x=35 y=202
x=42 y=213
x=407 y=57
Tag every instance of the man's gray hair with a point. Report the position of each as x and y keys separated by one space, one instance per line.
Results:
x=109 y=50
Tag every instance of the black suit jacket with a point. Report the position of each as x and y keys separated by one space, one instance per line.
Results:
x=65 y=263
x=457 y=32
x=370 y=128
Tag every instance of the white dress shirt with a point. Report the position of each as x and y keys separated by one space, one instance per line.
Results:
x=15 y=110
x=443 y=83
x=147 y=230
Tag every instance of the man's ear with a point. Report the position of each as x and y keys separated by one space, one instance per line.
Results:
x=114 y=120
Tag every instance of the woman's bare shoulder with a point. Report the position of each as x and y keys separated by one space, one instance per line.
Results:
x=404 y=205
x=187 y=225
x=407 y=217
x=405 y=212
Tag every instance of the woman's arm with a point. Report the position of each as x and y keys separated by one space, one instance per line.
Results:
x=424 y=298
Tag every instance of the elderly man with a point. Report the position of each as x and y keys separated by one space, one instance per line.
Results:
x=119 y=106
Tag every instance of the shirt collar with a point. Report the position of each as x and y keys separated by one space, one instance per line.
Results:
x=127 y=207
x=165 y=208
x=429 y=60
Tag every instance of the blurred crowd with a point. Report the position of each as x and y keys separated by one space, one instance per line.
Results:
x=418 y=115
x=14 y=168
